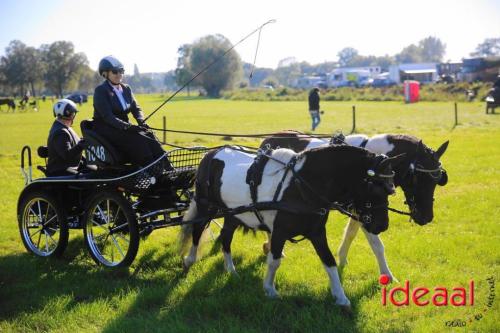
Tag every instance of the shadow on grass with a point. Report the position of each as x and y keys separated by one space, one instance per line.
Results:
x=208 y=299
x=163 y=298
x=28 y=283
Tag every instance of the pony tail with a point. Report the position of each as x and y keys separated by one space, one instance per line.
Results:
x=185 y=237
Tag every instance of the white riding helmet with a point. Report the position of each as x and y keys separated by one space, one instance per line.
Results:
x=64 y=108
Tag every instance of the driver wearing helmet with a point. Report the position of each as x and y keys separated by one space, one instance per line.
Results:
x=64 y=145
x=113 y=102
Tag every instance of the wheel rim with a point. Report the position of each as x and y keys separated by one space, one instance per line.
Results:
x=40 y=227
x=107 y=232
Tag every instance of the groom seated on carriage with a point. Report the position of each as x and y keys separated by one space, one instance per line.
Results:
x=63 y=144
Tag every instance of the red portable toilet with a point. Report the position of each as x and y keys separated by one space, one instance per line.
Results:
x=411 y=91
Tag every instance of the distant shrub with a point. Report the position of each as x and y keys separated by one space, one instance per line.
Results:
x=428 y=92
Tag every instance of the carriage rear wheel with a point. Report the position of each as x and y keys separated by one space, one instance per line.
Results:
x=110 y=230
x=42 y=224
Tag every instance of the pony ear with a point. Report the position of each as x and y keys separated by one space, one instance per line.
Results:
x=440 y=151
x=394 y=161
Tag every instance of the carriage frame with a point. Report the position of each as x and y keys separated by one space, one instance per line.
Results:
x=115 y=205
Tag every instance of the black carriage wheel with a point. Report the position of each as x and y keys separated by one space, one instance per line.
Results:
x=42 y=224
x=110 y=230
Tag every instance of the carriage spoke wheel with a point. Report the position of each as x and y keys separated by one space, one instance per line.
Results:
x=42 y=225
x=110 y=230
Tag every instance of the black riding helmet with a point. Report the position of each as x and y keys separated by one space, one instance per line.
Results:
x=110 y=63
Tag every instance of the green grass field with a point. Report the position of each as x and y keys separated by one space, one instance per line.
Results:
x=72 y=294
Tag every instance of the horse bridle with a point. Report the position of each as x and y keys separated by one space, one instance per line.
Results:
x=436 y=174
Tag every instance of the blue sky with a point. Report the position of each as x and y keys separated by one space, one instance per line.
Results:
x=148 y=32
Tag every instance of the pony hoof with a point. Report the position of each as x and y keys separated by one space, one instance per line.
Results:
x=232 y=272
x=185 y=267
x=346 y=310
x=265 y=248
x=272 y=294
x=389 y=278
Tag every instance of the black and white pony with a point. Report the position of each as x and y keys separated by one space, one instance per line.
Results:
x=298 y=190
x=418 y=174
x=9 y=102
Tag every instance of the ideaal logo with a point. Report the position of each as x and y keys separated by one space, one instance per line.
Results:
x=439 y=296
x=422 y=296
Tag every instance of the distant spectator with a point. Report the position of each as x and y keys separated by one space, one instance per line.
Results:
x=25 y=98
x=497 y=83
x=314 y=107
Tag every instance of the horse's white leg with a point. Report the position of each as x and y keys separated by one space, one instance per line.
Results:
x=378 y=249
x=228 y=263
x=350 y=232
x=190 y=259
x=272 y=267
x=336 y=288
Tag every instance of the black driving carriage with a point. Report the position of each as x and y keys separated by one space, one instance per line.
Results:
x=113 y=202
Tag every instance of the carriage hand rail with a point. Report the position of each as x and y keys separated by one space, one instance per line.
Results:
x=28 y=176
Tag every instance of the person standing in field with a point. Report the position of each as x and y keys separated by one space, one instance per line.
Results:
x=314 y=107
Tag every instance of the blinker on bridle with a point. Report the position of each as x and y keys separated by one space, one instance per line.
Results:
x=434 y=173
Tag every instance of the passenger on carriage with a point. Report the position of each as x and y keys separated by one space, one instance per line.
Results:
x=113 y=101
x=64 y=145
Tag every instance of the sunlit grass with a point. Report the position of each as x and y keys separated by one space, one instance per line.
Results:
x=461 y=244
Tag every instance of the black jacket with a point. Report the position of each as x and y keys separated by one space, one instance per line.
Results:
x=314 y=100
x=108 y=109
x=63 y=149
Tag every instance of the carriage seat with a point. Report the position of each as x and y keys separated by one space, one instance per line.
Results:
x=100 y=151
x=43 y=152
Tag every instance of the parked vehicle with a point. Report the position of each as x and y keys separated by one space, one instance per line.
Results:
x=383 y=83
x=78 y=97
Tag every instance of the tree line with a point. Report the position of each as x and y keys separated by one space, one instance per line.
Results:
x=56 y=68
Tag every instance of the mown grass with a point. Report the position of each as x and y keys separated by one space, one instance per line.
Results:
x=462 y=243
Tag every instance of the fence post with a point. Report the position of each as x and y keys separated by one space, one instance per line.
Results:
x=353 y=119
x=164 y=129
x=456 y=115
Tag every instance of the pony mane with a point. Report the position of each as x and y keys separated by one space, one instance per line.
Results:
x=340 y=148
x=283 y=154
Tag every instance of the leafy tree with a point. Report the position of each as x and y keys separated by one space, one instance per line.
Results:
x=88 y=79
x=410 y=54
x=288 y=75
x=259 y=74
x=346 y=55
x=432 y=49
x=224 y=73
x=169 y=80
x=489 y=48
x=21 y=66
x=285 y=62
x=183 y=71
x=62 y=65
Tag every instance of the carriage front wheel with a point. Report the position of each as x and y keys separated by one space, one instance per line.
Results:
x=110 y=230
x=42 y=224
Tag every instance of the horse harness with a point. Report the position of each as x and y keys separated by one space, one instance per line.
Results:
x=254 y=178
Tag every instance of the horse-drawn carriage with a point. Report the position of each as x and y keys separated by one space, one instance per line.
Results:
x=116 y=204
x=111 y=201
